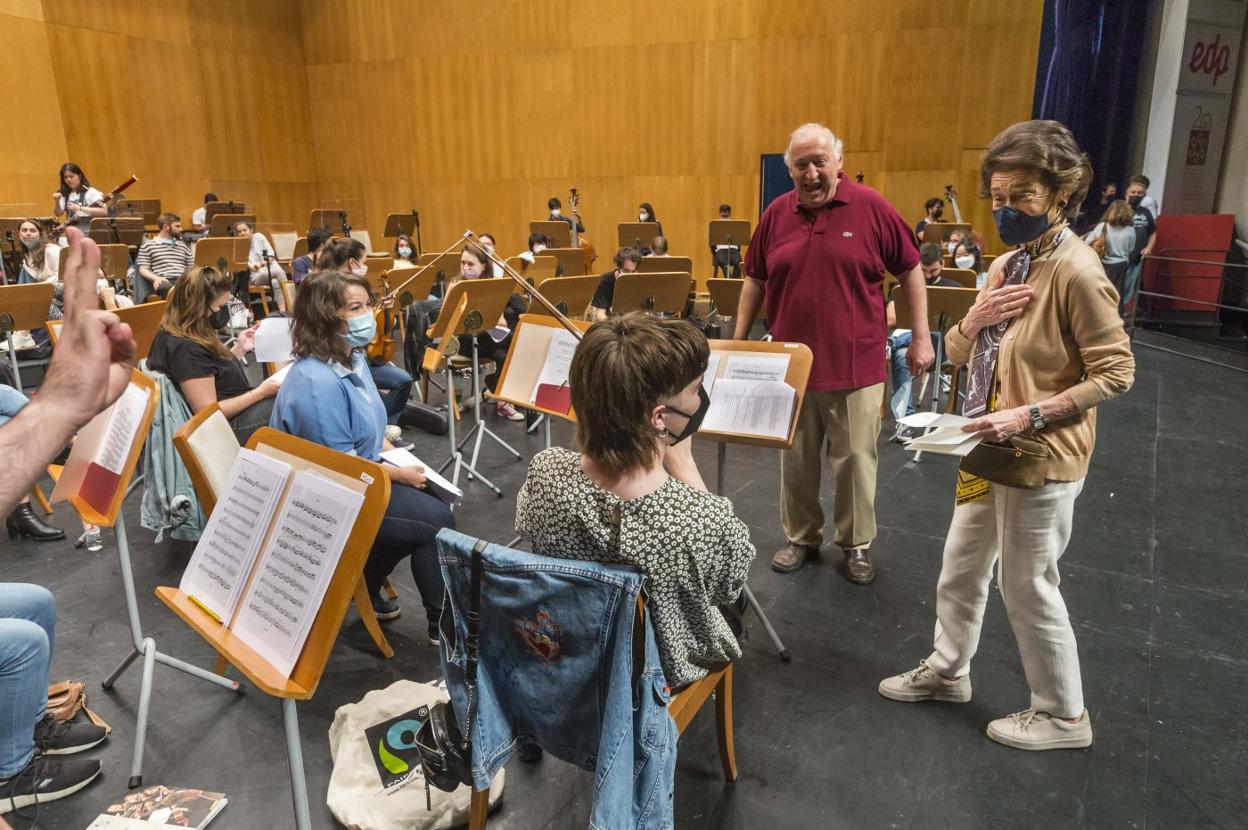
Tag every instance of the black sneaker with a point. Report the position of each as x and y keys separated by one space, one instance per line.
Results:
x=52 y=738
x=46 y=779
x=434 y=636
x=529 y=752
x=386 y=608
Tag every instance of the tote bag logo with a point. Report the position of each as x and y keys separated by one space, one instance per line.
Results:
x=392 y=745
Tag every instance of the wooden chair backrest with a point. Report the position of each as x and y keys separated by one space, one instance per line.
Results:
x=24 y=306
x=207 y=446
x=144 y=320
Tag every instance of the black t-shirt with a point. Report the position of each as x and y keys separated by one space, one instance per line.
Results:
x=184 y=360
x=604 y=294
x=1145 y=226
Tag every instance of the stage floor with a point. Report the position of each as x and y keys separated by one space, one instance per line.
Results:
x=1156 y=579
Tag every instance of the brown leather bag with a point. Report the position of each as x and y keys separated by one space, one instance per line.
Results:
x=69 y=697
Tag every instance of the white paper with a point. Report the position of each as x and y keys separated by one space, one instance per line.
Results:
x=764 y=368
x=285 y=594
x=925 y=420
x=273 y=342
x=279 y=377
x=225 y=554
x=712 y=369
x=498 y=333
x=751 y=408
x=947 y=435
x=558 y=361
x=123 y=427
x=436 y=484
x=963 y=448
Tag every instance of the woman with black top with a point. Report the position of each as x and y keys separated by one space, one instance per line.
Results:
x=188 y=350
x=474 y=264
x=76 y=198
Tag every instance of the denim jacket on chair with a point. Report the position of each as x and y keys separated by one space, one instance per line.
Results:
x=556 y=666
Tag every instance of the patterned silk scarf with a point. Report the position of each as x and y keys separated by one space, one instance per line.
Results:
x=988 y=343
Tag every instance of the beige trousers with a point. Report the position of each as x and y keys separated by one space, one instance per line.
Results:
x=850 y=422
x=1023 y=533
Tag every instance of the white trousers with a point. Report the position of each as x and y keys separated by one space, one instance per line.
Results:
x=1023 y=533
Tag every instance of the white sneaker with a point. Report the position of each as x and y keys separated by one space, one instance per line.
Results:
x=393 y=433
x=506 y=410
x=1034 y=730
x=924 y=683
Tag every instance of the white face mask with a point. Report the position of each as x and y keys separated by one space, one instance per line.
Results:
x=952 y=246
x=641 y=217
x=965 y=261
x=554 y=211
x=404 y=250
x=361 y=271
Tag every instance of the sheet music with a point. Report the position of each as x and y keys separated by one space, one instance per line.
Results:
x=712 y=369
x=558 y=361
x=273 y=343
x=225 y=554
x=123 y=427
x=436 y=484
x=765 y=368
x=298 y=562
x=751 y=408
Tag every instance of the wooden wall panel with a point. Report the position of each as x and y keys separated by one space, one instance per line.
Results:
x=491 y=107
x=32 y=143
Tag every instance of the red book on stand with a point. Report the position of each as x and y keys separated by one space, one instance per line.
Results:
x=555 y=398
x=99 y=485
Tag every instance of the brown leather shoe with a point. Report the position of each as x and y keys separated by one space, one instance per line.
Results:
x=791 y=557
x=858 y=567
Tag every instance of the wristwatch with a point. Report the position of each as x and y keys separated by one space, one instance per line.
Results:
x=1037 y=420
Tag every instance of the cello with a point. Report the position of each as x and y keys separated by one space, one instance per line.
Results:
x=578 y=241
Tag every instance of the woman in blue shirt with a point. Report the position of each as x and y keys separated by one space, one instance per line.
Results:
x=329 y=397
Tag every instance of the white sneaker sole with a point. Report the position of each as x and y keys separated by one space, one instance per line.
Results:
x=920 y=697
x=1080 y=742
x=28 y=800
x=70 y=750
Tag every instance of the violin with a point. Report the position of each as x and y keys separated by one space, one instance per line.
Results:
x=381 y=348
x=578 y=241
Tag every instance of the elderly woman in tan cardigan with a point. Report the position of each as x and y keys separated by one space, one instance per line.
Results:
x=1045 y=346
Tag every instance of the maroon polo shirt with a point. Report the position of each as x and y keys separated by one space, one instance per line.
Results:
x=823 y=273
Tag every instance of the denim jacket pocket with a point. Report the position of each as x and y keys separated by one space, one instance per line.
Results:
x=655 y=720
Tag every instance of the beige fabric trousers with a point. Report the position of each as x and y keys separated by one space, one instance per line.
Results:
x=849 y=421
x=1023 y=533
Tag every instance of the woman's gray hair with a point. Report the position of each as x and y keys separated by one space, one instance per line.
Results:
x=806 y=129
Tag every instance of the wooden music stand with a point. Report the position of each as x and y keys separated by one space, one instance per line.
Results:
x=938 y=232
x=417 y=289
x=225 y=253
x=540 y=268
x=656 y=293
x=571 y=260
x=529 y=344
x=734 y=232
x=331 y=219
x=470 y=307
x=223 y=223
x=965 y=276
x=665 y=265
x=71 y=486
x=559 y=232
x=149 y=209
x=402 y=223
x=144 y=320
x=213 y=208
x=945 y=307
x=725 y=296
x=571 y=295
x=636 y=234
x=446 y=267
x=365 y=477
x=23 y=307
x=112 y=230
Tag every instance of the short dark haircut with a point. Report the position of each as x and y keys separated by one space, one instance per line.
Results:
x=210 y=197
x=1140 y=178
x=1046 y=149
x=659 y=244
x=538 y=238
x=725 y=208
x=930 y=253
x=622 y=369
x=553 y=202
x=316 y=238
x=933 y=202
x=624 y=255
x=167 y=218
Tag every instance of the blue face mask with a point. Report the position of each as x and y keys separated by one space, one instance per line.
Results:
x=360 y=330
x=1016 y=227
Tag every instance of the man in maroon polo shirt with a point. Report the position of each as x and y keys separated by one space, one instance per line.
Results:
x=817 y=259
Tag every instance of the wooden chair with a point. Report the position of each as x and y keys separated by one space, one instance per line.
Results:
x=683 y=706
x=23 y=307
x=963 y=276
x=144 y=320
x=208 y=446
x=374 y=484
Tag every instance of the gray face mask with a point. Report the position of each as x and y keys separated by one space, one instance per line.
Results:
x=30 y=244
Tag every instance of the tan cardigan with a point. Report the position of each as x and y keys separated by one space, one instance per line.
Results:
x=1069 y=339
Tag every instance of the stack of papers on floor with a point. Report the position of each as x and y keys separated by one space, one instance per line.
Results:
x=945 y=435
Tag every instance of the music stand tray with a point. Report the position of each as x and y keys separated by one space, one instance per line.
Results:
x=560 y=233
x=636 y=234
x=665 y=265
x=656 y=293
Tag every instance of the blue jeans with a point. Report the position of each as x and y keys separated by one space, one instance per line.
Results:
x=557 y=668
x=11 y=403
x=1130 y=285
x=902 y=382
x=410 y=526
x=27 y=629
x=395 y=387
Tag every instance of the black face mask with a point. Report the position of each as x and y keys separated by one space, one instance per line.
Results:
x=695 y=417
x=1134 y=201
x=220 y=318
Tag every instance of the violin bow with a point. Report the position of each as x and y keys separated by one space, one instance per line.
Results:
x=526 y=286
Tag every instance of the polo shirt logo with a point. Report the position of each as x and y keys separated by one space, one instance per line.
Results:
x=847 y=234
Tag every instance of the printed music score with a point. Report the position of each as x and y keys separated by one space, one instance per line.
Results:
x=226 y=553
x=308 y=537
x=763 y=408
